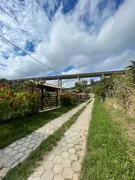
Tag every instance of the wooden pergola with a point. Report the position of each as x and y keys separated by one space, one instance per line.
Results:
x=46 y=90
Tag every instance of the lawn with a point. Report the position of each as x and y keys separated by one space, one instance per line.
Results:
x=107 y=155
x=15 y=129
x=25 y=169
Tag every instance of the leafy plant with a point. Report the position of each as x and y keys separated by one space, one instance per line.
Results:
x=74 y=99
x=119 y=87
x=17 y=104
x=65 y=99
x=103 y=87
x=131 y=67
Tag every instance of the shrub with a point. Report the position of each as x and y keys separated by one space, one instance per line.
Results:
x=13 y=105
x=87 y=90
x=124 y=92
x=65 y=99
x=74 y=99
x=6 y=96
x=120 y=88
x=103 y=87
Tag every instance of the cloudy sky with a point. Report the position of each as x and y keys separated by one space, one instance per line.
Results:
x=70 y=36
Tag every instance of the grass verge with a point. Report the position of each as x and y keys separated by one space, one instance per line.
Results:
x=127 y=124
x=24 y=169
x=15 y=129
x=107 y=152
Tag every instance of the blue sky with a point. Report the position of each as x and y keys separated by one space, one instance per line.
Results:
x=70 y=36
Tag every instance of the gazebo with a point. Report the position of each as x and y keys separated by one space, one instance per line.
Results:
x=49 y=94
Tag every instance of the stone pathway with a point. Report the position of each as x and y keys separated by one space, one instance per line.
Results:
x=64 y=162
x=18 y=151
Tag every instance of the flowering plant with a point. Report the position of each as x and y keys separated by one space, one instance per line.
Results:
x=17 y=104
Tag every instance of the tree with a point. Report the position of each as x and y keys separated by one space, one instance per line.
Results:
x=92 y=82
x=131 y=67
x=87 y=90
x=103 y=87
x=84 y=83
x=3 y=80
x=78 y=86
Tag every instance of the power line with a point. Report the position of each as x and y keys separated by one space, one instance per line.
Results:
x=61 y=57
x=28 y=54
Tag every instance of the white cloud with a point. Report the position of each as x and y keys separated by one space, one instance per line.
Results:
x=107 y=44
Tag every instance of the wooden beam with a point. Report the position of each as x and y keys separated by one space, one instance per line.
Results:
x=57 y=103
x=42 y=97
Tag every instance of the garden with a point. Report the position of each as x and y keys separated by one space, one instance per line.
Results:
x=19 y=111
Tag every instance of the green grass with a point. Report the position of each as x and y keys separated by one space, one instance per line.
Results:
x=107 y=152
x=15 y=129
x=24 y=169
x=127 y=124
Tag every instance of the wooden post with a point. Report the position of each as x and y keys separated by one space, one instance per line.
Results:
x=57 y=98
x=42 y=90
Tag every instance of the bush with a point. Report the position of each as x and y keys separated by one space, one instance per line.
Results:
x=87 y=90
x=124 y=92
x=74 y=99
x=103 y=87
x=65 y=99
x=14 y=105
x=120 y=88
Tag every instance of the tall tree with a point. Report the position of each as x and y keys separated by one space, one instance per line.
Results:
x=78 y=86
x=92 y=81
x=131 y=67
x=84 y=83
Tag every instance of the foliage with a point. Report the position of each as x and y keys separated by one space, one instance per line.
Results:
x=103 y=87
x=119 y=87
x=92 y=81
x=131 y=67
x=65 y=99
x=74 y=99
x=87 y=90
x=124 y=91
x=17 y=104
x=80 y=86
x=84 y=83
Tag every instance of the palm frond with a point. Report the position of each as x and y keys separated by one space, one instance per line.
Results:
x=133 y=62
x=129 y=67
x=132 y=66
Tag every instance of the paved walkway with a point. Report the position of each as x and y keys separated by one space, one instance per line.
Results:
x=64 y=162
x=18 y=151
